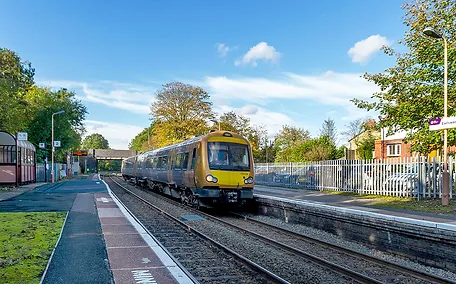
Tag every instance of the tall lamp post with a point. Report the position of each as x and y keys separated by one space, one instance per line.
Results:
x=53 y=148
x=445 y=175
x=216 y=121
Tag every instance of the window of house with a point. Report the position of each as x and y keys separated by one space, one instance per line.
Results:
x=393 y=150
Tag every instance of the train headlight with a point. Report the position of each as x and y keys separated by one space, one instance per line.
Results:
x=211 y=178
x=248 y=180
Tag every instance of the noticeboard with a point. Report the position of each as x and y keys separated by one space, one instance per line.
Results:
x=79 y=153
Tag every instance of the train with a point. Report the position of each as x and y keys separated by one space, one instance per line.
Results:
x=211 y=170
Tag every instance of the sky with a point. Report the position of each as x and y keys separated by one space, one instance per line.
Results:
x=278 y=63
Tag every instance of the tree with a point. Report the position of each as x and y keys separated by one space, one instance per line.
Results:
x=95 y=141
x=240 y=124
x=354 y=128
x=329 y=130
x=366 y=147
x=411 y=91
x=15 y=78
x=144 y=141
x=288 y=138
x=68 y=127
x=181 y=111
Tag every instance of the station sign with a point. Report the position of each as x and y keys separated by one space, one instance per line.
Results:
x=42 y=145
x=442 y=123
x=79 y=153
x=22 y=136
x=56 y=143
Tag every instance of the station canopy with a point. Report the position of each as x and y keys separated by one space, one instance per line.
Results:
x=7 y=139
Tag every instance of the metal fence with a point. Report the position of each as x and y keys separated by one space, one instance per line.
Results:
x=41 y=176
x=407 y=177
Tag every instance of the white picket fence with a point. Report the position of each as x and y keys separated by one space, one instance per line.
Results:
x=406 y=177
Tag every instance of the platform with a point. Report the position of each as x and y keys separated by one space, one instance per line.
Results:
x=100 y=241
x=356 y=205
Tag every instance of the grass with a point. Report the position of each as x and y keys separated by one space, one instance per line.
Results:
x=26 y=243
x=405 y=203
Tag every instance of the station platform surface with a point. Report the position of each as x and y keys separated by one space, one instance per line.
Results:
x=352 y=202
x=100 y=241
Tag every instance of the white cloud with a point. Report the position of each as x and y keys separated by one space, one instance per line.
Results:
x=118 y=135
x=261 y=51
x=272 y=121
x=363 y=50
x=134 y=98
x=330 y=88
x=222 y=49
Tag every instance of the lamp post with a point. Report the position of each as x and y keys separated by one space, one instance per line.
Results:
x=445 y=175
x=216 y=121
x=53 y=148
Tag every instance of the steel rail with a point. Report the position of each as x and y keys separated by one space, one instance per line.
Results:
x=398 y=267
x=269 y=275
x=324 y=263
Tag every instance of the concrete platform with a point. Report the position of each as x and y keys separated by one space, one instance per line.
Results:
x=100 y=241
x=355 y=205
x=134 y=256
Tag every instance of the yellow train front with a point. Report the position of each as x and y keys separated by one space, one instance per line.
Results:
x=209 y=170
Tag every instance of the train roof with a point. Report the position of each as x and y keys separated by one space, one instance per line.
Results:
x=191 y=141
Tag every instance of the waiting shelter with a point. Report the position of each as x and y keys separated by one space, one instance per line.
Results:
x=17 y=160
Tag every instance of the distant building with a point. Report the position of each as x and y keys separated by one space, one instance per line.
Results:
x=353 y=153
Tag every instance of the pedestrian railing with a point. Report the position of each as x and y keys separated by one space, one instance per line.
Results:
x=407 y=177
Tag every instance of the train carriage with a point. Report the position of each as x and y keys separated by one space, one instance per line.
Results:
x=208 y=170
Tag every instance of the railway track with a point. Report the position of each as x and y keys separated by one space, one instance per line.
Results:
x=356 y=266
x=207 y=260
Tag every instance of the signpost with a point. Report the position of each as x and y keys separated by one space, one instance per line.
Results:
x=56 y=143
x=42 y=145
x=22 y=136
x=442 y=123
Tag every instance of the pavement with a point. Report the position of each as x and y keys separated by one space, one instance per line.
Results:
x=100 y=241
x=351 y=202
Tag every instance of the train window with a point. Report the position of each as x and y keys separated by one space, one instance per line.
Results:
x=165 y=162
x=185 y=162
x=178 y=163
x=193 y=158
x=228 y=156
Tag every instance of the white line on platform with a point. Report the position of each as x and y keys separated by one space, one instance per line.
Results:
x=444 y=226
x=175 y=270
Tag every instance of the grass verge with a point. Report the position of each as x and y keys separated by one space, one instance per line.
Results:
x=405 y=203
x=26 y=243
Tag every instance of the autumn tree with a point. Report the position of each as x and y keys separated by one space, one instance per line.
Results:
x=144 y=141
x=411 y=92
x=95 y=141
x=181 y=111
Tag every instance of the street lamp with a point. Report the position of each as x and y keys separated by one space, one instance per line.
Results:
x=445 y=175
x=53 y=148
x=216 y=121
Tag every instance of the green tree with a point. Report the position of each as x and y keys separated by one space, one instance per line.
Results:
x=411 y=92
x=15 y=79
x=144 y=141
x=95 y=141
x=68 y=127
x=182 y=111
x=329 y=130
x=287 y=139
x=366 y=147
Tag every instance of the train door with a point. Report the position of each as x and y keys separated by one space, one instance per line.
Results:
x=189 y=174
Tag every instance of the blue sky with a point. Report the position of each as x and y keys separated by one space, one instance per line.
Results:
x=276 y=62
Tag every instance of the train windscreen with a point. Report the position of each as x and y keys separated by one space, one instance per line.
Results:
x=228 y=156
